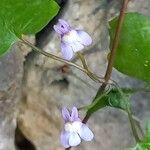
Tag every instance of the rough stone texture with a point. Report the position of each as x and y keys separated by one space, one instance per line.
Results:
x=45 y=88
x=10 y=77
x=11 y=72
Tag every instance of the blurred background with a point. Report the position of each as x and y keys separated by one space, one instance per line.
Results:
x=33 y=88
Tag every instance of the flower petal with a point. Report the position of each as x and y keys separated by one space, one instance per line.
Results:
x=64 y=138
x=84 y=38
x=74 y=139
x=57 y=29
x=71 y=37
x=77 y=126
x=76 y=46
x=64 y=23
x=74 y=114
x=66 y=51
x=62 y=27
x=85 y=133
x=66 y=114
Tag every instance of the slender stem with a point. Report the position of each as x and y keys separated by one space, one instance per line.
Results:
x=112 y=55
x=133 y=126
x=132 y=120
x=86 y=118
x=81 y=57
x=114 y=47
x=53 y=56
x=116 y=40
x=138 y=124
x=85 y=66
x=91 y=75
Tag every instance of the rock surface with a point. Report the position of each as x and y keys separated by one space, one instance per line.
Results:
x=44 y=88
x=10 y=79
x=11 y=73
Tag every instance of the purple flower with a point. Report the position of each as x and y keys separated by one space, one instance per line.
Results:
x=74 y=130
x=71 y=40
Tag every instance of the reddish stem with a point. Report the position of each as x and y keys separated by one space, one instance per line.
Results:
x=112 y=54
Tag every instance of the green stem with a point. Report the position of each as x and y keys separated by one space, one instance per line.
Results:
x=94 y=102
x=81 y=57
x=133 y=126
x=138 y=124
x=116 y=40
x=52 y=56
x=131 y=119
x=85 y=66
x=91 y=75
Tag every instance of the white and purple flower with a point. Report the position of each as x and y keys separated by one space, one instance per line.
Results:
x=74 y=130
x=72 y=40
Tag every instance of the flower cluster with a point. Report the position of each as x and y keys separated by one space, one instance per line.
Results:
x=74 y=130
x=72 y=40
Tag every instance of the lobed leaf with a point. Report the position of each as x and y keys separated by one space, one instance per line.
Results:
x=18 y=17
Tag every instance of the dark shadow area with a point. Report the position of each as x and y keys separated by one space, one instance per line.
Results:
x=21 y=142
x=41 y=37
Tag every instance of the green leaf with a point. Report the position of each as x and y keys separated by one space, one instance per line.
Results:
x=112 y=99
x=133 y=53
x=118 y=100
x=143 y=146
x=101 y=103
x=18 y=17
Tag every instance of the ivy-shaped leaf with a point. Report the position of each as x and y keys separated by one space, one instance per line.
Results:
x=118 y=100
x=18 y=17
x=133 y=53
x=113 y=98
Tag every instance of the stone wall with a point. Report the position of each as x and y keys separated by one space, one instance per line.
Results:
x=37 y=89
